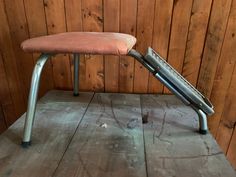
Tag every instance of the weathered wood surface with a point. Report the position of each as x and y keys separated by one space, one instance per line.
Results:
x=57 y=117
x=115 y=150
x=173 y=145
x=102 y=135
x=198 y=40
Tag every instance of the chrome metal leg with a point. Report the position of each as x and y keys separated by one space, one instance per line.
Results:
x=203 y=128
x=76 y=74
x=33 y=99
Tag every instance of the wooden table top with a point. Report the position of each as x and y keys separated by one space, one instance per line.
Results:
x=102 y=135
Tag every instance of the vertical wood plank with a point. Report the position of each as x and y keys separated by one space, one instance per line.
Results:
x=55 y=17
x=144 y=39
x=196 y=38
x=213 y=44
x=19 y=32
x=231 y=154
x=128 y=14
x=10 y=63
x=2 y=120
x=111 y=24
x=224 y=71
x=73 y=15
x=6 y=102
x=74 y=23
x=93 y=65
x=228 y=119
x=224 y=134
x=35 y=15
x=179 y=31
x=160 y=40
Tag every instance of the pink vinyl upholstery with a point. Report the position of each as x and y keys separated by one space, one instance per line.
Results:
x=82 y=43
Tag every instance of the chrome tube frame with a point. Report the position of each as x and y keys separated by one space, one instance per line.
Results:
x=76 y=74
x=203 y=128
x=32 y=99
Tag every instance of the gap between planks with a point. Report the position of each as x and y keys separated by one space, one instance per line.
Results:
x=74 y=133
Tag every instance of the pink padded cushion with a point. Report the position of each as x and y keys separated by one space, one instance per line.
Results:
x=81 y=42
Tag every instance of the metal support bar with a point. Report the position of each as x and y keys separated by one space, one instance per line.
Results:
x=171 y=88
x=138 y=56
x=33 y=99
x=203 y=128
x=76 y=74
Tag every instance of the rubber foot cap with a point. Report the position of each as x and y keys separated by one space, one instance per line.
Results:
x=76 y=94
x=203 y=132
x=25 y=144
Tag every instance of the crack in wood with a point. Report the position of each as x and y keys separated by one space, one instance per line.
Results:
x=161 y=131
x=118 y=123
x=191 y=157
x=103 y=108
x=163 y=124
x=114 y=116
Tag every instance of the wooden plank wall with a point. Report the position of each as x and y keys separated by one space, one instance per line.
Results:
x=196 y=36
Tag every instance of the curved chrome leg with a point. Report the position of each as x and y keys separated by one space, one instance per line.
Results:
x=203 y=128
x=33 y=99
x=76 y=74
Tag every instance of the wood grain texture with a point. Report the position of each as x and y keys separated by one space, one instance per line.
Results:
x=224 y=71
x=115 y=150
x=160 y=39
x=102 y=134
x=111 y=24
x=215 y=35
x=3 y=125
x=195 y=41
x=228 y=120
x=73 y=15
x=198 y=37
x=73 y=10
x=56 y=23
x=93 y=65
x=19 y=32
x=35 y=15
x=6 y=103
x=173 y=145
x=179 y=32
x=231 y=150
x=10 y=64
x=57 y=117
x=144 y=40
x=128 y=14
